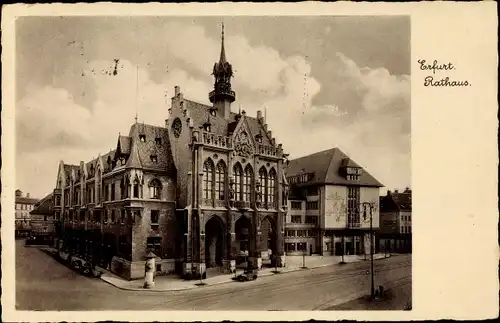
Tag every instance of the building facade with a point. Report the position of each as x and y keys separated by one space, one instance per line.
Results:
x=201 y=192
x=395 y=233
x=24 y=205
x=331 y=202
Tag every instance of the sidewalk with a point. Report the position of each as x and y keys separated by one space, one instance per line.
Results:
x=176 y=283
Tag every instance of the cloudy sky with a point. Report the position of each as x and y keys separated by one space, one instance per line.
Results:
x=326 y=82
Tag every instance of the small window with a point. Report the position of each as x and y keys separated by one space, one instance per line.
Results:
x=154 y=244
x=158 y=140
x=312 y=205
x=213 y=112
x=207 y=128
x=296 y=205
x=296 y=219
x=158 y=267
x=142 y=138
x=155 y=217
x=154 y=158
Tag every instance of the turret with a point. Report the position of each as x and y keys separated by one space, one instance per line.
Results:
x=222 y=96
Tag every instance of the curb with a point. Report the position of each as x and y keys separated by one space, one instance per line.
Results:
x=103 y=278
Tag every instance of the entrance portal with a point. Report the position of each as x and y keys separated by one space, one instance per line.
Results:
x=267 y=240
x=214 y=241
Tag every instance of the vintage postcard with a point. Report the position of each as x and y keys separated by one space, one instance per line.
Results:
x=226 y=161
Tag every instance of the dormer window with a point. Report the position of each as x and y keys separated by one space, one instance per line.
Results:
x=154 y=158
x=158 y=141
x=122 y=160
x=353 y=173
x=142 y=138
x=258 y=138
x=207 y=127
x=213 y=112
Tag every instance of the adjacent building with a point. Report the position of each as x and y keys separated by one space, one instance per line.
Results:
x=330 y=203
x=395 y=222
x=24 y=204
x=207 y=190
x=42 y=218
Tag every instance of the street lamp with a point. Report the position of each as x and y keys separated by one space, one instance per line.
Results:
x=370 y=206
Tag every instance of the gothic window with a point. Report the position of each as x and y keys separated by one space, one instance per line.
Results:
x=136 y=188
x=237 y=182
x=113 y=216
x=122 y=188
x=220 y=179
x=263 y=183
x=154 y=158
x=106 y=192
x=177 y=127
x=208 y=173
x=247 y=184
x=155 y=189
x=142 y=138
x=271 y=186
x=112 y=191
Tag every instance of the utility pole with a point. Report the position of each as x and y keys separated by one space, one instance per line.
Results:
x=370 y=206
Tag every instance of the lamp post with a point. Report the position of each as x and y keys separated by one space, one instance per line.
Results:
x=370 y=206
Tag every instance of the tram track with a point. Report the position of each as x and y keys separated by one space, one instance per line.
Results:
x=328 y=277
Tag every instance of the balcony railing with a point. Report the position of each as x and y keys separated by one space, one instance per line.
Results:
x=267 y=150
x=214 y=140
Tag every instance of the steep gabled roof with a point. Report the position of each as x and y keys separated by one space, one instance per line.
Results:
x=200 y=114
x=325 y=167
x=395 y=201
x=44 y=206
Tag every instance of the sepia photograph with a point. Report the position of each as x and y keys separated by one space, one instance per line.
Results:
x=213 y=163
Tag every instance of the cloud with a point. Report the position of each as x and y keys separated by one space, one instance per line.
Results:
x=366 y=112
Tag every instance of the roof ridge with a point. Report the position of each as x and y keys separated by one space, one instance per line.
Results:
x=330 y=163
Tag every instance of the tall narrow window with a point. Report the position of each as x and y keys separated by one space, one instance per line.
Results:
x=112 y=191
x=271 y=186
x=220 y=179
x=247 y=184
x=237 y=182
x=208 y=173
x=263 y=183
x=136 y=188
x=155 y=189
x=353 y=205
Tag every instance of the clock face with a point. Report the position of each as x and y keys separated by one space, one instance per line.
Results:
x=177 y=127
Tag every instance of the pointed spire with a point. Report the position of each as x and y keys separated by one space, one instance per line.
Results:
x=222 y=58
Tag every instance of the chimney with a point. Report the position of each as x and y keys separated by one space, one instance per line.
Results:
x=389 y=192
x=407 y=190
x=27 y=194
x=177 y=90
x=396 y=191
x=259 y=115
x=243 y=113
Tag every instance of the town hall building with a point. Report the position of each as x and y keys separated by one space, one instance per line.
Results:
x=205 y=192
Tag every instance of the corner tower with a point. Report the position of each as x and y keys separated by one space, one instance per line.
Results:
x=222 y=96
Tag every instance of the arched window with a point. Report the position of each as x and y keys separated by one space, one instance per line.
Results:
x=122 y=188
x=155 y=189
x=271 y=186
x=136 y=188
x=263 y=183
x=208 y=173
x=220 y=179
x=247 y=184
x=237 y=182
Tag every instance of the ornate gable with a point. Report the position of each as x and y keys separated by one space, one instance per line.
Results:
x=243 y=141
